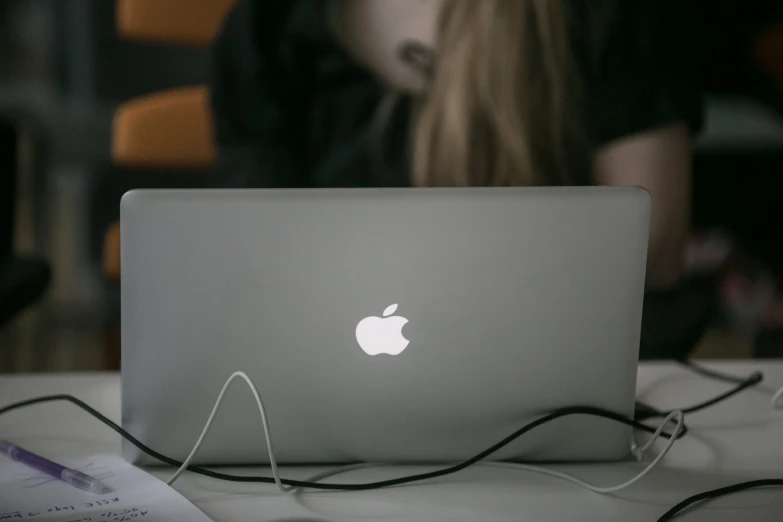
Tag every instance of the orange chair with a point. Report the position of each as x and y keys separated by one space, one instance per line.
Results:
x=168 y=129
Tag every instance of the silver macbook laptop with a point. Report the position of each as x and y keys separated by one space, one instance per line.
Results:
x=391 y=325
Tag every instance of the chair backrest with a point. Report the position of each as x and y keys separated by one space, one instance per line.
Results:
x=172 y=22
x=172 y=128
x=169 y=129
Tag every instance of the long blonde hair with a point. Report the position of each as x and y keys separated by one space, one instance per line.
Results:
x=503 y=104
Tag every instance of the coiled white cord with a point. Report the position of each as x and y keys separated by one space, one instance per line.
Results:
x=638 y=452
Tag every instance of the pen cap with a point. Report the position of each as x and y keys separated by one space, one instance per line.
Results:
x=82 y=481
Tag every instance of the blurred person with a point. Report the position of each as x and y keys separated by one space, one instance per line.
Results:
x=437 y=93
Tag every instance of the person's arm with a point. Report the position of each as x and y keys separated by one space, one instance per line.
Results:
x=658 y=160
x=256 y=101
x=646 y=110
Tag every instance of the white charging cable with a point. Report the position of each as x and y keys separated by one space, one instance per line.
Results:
x=638 y=452
x=211 y=419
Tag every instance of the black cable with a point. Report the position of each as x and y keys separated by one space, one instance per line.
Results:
x=713 y=374
x=715 y=493
x=563 y=412
x=741 y=384
x=752 y=380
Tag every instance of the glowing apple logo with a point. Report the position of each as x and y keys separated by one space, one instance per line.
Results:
x=377 y=335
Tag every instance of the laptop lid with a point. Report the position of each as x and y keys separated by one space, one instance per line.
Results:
x=394 y=325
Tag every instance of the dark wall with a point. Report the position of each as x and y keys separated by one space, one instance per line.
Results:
x=8 y=169
x=119 y=69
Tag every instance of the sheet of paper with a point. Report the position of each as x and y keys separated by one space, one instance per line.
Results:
x=26 y=494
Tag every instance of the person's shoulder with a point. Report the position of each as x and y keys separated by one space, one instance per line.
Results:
x=641 y=64
x=610 y=29
x=258 y=61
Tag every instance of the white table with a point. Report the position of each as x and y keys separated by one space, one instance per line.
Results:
x=739 y=440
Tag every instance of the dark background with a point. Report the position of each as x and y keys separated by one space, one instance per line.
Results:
x=63 y=71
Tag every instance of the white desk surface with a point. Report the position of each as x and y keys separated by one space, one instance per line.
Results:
x=735 y=441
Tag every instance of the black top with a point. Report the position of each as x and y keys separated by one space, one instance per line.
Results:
x=293 y=109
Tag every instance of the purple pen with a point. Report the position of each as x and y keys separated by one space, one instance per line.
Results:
x=75 y=478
